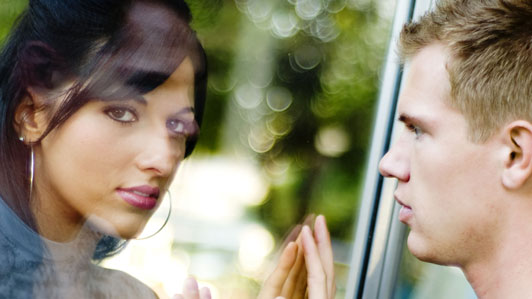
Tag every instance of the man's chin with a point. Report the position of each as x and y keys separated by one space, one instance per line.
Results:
x=422 y=250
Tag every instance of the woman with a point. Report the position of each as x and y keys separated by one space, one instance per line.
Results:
x=100 y=101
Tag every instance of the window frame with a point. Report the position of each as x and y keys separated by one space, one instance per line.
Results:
x=378 y=239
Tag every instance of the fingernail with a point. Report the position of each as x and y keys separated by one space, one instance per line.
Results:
x=306 y=230
x=292 y=246
x=205 y=293
x=191 y=284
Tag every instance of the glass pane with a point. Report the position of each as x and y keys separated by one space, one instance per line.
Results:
x=417 y=280
x=290 y=103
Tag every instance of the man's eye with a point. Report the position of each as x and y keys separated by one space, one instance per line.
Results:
x=121 y=114
x=416 y=130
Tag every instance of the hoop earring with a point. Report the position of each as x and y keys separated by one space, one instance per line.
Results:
x=31 y=166
x=165 y=221
x=32 y=169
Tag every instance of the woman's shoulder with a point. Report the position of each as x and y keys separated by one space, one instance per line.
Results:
x=121 y=285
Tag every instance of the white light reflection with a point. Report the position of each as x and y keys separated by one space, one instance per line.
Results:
x=335 y=6
x=362 y=5
x=332 y=141
x=308 y=9
x=260 y=140
x=278 y=98
x=255 y=244
x=284 y=24
x=324 y=28
x=259 y=10
x=248 y=96
x=231 y=185
x=207 y=265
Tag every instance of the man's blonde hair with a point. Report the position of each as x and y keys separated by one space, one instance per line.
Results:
x=490 y=69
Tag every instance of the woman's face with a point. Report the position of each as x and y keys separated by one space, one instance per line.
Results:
x=112 y=161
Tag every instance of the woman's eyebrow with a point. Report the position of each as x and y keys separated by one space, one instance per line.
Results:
x=146 y=81
x=185 y=111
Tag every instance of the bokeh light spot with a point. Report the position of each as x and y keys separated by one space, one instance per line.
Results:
x=332 y=141
x=308 y=9
x=248 y=96
x=278 y=98
x=255 y=244
x=260 y=140
x=284 y=24
x=307 y=57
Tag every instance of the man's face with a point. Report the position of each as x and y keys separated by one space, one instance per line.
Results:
x=447 y=184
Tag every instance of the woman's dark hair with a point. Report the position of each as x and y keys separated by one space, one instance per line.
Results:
x=109 y=49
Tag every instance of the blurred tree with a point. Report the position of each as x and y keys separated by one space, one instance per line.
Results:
x=9 y=11
x=325 y=57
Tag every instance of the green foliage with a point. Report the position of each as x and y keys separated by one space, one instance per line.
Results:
x=340 y=92
x=204 y=12
x=9 y=10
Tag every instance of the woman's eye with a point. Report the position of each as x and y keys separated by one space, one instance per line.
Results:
x=183 y=128
x=177 y=127
x=121 y=114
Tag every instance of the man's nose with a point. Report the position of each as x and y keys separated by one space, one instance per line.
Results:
x=396 y=164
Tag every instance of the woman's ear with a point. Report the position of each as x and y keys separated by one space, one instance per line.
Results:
x=31 y=119
x=518 y=156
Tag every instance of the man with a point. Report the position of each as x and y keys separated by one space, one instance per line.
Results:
x=464 y=162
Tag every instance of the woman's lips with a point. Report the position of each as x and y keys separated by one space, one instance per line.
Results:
x=143 y=197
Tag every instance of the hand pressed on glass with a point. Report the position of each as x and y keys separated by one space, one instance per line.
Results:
x=192 y=291
x=305 y=268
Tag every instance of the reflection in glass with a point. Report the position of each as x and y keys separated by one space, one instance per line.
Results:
x=290 y=107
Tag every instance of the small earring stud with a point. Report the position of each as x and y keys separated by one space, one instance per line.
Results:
x=21 y=138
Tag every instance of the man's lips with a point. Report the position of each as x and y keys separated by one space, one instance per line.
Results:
x=400 y=202
x=406 y=211
x=143 y=197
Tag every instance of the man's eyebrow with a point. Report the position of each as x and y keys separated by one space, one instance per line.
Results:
x=404 y=118
x=408 y=119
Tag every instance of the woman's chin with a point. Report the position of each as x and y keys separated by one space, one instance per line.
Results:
x=120 y=230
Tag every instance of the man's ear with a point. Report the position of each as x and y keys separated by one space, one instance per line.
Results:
x=31 y=119
x=518 y=154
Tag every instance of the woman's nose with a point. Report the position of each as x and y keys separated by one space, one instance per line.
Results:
x=160 y=155
x=395 y=164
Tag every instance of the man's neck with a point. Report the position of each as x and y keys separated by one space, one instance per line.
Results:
x=507 y=271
